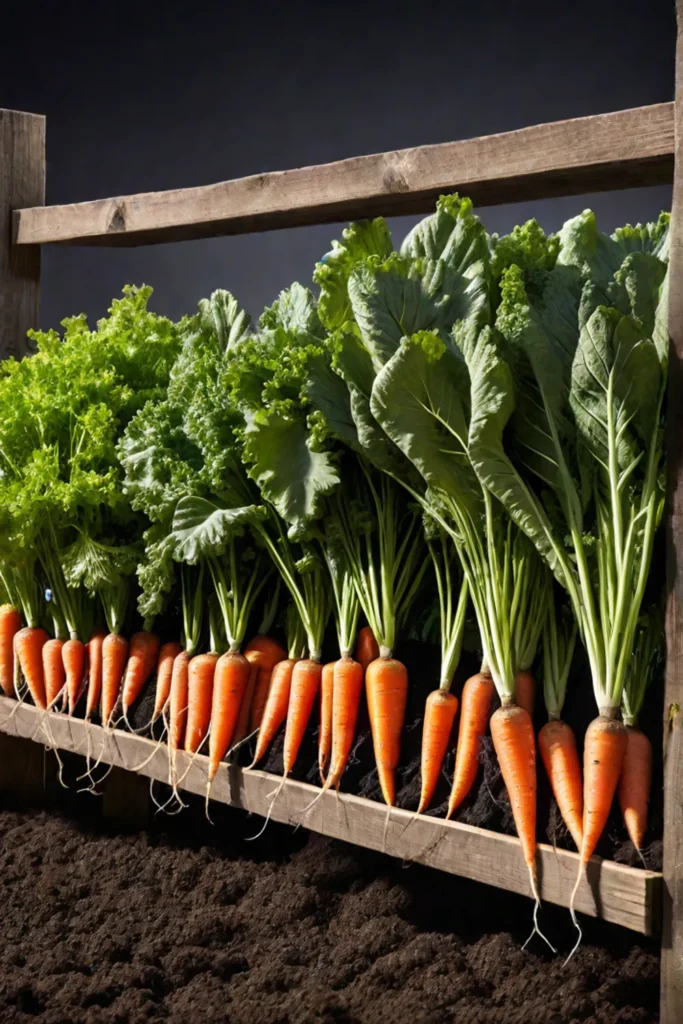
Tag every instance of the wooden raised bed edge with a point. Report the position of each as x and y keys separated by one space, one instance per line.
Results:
x=585 y=154
x=614 y=892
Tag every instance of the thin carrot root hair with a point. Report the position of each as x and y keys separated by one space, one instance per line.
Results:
x=52 y=745
x=536 y=930
x=575 y=922
x=143 y=764
x=274 y=795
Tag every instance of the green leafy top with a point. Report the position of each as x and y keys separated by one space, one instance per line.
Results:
x=62 y=412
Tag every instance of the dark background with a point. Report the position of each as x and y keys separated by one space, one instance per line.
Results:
x=164 y=95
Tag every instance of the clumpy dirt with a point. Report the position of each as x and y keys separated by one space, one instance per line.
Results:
x=188 y=923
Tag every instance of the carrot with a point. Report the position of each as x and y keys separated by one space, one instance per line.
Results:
x=94 y=673
x=264 y=651
x=73 y=656
x=142 y=659
x=177 y=716
x=53 y=670
x=28 y=646
x=263 y=677
x=525 y=692
x=440 y=710
x=367 y=648
x=275 y=711
x=199 y=699
x=114 y=654
x=386 y=686
x=261 y=652
x=557 y=744
x=325 y=732
x=513 y=739
x=347 y=688
x=230 y=681
x=306 y=677
x=603 y=756
x=10 y=624
x=167 y=655
x=635 y=783
x=475 y=709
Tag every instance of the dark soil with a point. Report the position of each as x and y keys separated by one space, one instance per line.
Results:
x=189 y=923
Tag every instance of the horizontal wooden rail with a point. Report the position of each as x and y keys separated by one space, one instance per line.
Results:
x=585 y=154
x=614 y=892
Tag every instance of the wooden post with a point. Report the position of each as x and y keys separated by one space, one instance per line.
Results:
x=671 y=1010
x=22 y=183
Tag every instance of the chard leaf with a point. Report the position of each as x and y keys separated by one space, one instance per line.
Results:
x=399 y=297
x=617 y=374
x=354 y=365
x=542 y=338
x=202 y=529
x=294 y=314
x=453 y=234
x=420 y=398
x=290 y=475
x=595 y=255
x=360 y=240
x=328 y=393
x=493 y=402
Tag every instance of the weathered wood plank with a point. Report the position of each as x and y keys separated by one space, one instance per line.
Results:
x=671 y=1007
x=620 y=894
x=22 y=183
x=586 y=154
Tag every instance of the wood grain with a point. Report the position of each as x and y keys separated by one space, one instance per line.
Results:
x=671 y=1007
x=22 y=183
x=586 y=154
x=623 y=895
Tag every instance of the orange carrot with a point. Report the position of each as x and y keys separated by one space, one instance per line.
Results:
x=557 y=744
x=28 y=646
x=635 y=783
x=94 y=673
x=475 y=709
x=263 y=677
x=440 y=709
x=513 y=739
x=114 y=654
x=275 y=711
x=603 y=756
x=525 y=692
x=177 y=714
x=199 y=699
x=73 y=656
x=142 y=660
x=54 y=674
x=167 y=655
x=367 y=648
x=305 y=685
x=347 y=688
x=230 y=681
x=261 y=652
x=325 y=732
x=10 y=624
x=386 y=686
x=264 y=651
